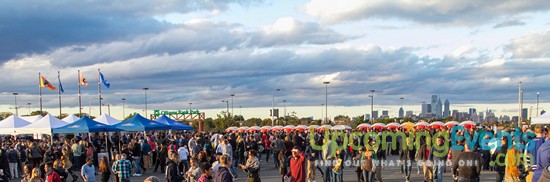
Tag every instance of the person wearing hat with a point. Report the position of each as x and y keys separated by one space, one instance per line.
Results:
x=297 y=172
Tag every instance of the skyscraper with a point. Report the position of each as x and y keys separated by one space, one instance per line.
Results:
x=438 y=109
x=425 y=109
x=401 y=112
x=446 y=111
x=524 y=115
x=375 y=114
x=472 y=111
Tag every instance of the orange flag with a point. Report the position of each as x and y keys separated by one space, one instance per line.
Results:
x=83 y=80
x=45 y=83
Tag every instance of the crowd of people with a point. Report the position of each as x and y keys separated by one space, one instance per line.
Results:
x=297 y=155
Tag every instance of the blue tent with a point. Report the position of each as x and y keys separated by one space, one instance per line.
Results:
x=84 y=125
x=174 y=125
x=139 y=123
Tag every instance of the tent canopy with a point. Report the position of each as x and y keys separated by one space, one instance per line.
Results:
x=32 y=119
x=106 y=119
x=139 y=123
x=542 y=119
x=8 y=125
x=84 y=125
x=70 y=118
x=174 y=125
x=42 y=126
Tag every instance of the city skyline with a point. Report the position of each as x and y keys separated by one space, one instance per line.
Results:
x=471 y=52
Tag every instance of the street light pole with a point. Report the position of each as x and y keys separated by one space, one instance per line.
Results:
x=326 y=101
x=273 y=108
x=371 y=106
x=145 y=91
x=190 y=108
x=284 y=106
x=226 y=101
x=123 y=114
x=16 y=110
x=538 y=94
x=232 y=111
x=322 y=111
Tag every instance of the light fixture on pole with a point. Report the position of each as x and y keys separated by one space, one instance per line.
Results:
x=29 y=105
x=145 y=91
x=326 y=101
x=371 y=106
x=273 y=107
x=16 y=110
x=123 y=114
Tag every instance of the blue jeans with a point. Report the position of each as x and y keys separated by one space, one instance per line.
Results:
x=138 y=167
x=276 y=158
x=408 y=167
x=368 y=176
x=76 y=162
x=337 y=177
x=438 y=167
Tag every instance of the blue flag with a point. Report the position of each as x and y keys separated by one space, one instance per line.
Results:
x=60 y=86
x=104 y=81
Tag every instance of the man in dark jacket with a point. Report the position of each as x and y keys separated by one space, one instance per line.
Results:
x=467 y=166
x=172 y=171
x=407 y=155
x=499 y=157
x=223 y=174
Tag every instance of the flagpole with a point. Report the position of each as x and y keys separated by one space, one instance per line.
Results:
x=40 y=91
x=59 y=92
x=99 y=89
x=79 y=96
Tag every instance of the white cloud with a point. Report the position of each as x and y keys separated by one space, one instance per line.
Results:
x=532 y=45
x=462 y=12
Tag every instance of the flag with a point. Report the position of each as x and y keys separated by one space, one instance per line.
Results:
x=104 y=81
x=45 y=83
x=60 y=85
x=82 y=80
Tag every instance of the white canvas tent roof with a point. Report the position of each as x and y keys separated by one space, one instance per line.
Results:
x=106 y=119
x=70 y=118
x=8 y=125
x=42 y=126
x=32 y=119
x=542 y=119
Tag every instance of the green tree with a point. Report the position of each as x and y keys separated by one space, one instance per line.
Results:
x=4 y=115
x=38 y=112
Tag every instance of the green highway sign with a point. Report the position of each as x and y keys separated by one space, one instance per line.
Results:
x=158 y=113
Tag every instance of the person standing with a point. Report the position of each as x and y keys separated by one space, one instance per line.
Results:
x=408 y=154
x=223 y=174
x=172 y=171
x=252 y=167
x=161 y=158
x=500 y=159
x=438 y=159
x=136 y=155
x=146 y=154
x=51 y=175
x=194 y=171
x=123 y=168
x=184 y=156
x=297 y=169
x=543 y=159
x=77 y=152
x=327 y=156
x=12 y=159
x=88 y=171
x=466 y=166
x=206 y=175
x=104 y=169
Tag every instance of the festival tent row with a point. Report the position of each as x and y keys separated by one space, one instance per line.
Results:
x=360 y=127
x=542 y=119
x=49 y=124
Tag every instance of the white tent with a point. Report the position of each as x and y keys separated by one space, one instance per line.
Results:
x=542 y=119
x=106 y=119
x=42 y=126
x=32 y=119
x=8 y=125
x=70 y=118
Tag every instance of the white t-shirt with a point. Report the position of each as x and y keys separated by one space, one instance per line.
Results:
x=183 y=152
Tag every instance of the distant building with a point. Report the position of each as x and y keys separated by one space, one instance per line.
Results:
x=504 y=119
x=471 y=111
x=446 y=111
x=375 y=114
x=524 y=112
x=367 y=117
x=409 y=114
x=438 y=109
x=514 y=119
x=425 y=109
x=481 y=117
x=455 y=114
x=401 y=112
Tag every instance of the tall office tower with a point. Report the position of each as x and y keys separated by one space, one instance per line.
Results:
x=401 y=112
x=438 y=109
x=446 y=111
x=472 y=111
x=434 y=105
x=375 y=114
x=425 y=109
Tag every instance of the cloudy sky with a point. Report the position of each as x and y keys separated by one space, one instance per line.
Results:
x=471 y=52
